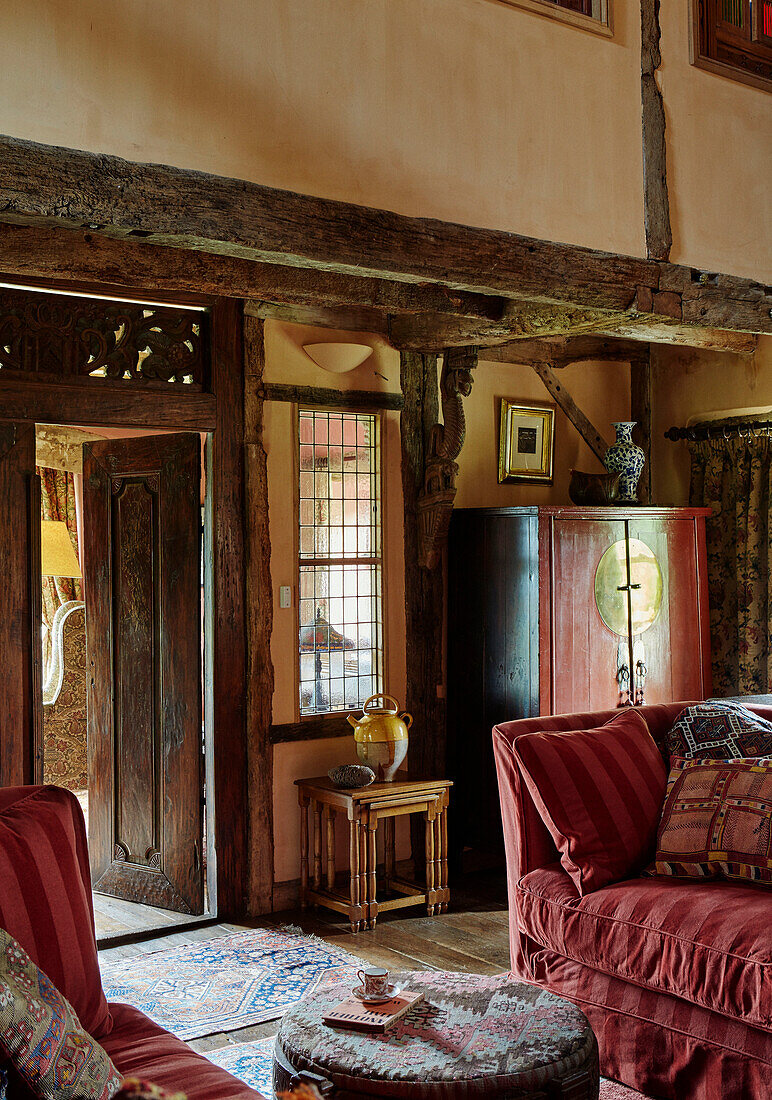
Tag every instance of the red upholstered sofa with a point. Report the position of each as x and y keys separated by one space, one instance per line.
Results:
x=46 y=904
x=674 y=975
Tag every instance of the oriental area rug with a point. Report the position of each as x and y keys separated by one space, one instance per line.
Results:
x=225 y=984
x=246 y=978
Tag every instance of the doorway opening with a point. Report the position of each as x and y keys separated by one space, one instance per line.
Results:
x=125 y=532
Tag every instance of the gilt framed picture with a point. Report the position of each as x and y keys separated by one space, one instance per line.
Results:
x=526 y=439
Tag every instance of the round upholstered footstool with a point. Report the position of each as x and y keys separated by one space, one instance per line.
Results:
x=470 y=1036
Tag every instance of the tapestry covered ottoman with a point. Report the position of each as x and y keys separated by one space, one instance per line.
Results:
x=471 y=1035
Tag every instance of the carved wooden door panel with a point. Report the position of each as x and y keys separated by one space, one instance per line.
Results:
x=142 y=571
x=20 y=597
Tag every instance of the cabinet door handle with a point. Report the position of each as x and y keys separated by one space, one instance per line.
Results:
x=623 y=680
x=626 y=587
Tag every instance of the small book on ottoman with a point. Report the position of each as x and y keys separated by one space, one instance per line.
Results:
x=353 y=1014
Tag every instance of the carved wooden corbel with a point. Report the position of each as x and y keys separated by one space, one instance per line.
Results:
x=435 y=500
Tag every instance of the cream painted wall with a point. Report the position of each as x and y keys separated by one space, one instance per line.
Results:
x=694 y=385
x=602 y=391
x=719 y=150
x=467 y=110
x=286 y=362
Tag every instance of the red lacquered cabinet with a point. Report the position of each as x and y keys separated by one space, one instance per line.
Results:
x=623 y=607
x=559 y=610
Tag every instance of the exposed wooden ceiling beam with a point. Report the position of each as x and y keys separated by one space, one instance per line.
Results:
x=428 y=331
x=710 y=339
x=174 y=207
x=560 y=350
x=50 y=255
x=348 y=318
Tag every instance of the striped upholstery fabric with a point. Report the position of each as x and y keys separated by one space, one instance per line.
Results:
x=649 y=1038
x=140 y=1048
x=600 y=794
x=45 y=899
x=705 y=942
x=660 y=1044
x=45 y=904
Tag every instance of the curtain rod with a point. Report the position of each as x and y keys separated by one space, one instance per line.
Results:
x=720 y=429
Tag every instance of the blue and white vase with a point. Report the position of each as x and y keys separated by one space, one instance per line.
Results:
x=626 y=459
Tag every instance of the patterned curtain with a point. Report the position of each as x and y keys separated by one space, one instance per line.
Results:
x=57 y=498
x=734 y=477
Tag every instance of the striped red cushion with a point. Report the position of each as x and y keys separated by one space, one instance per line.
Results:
x=45 y=895
x=600 y=793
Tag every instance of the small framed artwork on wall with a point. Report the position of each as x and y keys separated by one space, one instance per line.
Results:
x=526 y=439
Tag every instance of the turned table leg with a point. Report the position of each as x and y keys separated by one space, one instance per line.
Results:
x=303 y=851
x=444 y=860
x=329 y=814
x=429 y=815
x=372 y=859
x=389 y=826
x=354 y=885
x=363 y=879
x=317 y=845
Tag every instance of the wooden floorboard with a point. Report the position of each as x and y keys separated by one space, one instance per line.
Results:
x=472 y=937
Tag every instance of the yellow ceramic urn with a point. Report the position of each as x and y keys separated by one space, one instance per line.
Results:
x=381 y=737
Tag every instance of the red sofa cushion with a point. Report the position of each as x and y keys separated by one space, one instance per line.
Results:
x=706 y=943
x=45 y=895
x=600 y=793
x=717 y=821
x=140 y=1048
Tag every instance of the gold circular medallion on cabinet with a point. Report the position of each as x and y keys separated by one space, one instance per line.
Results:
x=645 y=584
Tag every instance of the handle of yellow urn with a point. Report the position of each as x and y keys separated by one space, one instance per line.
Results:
x=380 y=695
x=407 y=719
x=352 y=720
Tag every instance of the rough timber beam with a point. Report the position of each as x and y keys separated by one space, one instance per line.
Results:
x=43 y=184
x=710 y=339
x=560 y=350
x=430 y=332
x=41 y=253
x=565 y=401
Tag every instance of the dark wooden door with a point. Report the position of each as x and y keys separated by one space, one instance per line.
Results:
x=143 y=635
x=493 y=625
x=20 y=598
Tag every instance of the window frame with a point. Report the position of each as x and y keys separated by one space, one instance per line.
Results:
x=700 y=58
x=317 y=721
x=602 y=24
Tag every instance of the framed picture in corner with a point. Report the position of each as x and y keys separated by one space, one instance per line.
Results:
x=526 y=439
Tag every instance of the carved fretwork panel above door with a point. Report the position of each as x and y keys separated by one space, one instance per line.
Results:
x=59 y=336
x=143 y=627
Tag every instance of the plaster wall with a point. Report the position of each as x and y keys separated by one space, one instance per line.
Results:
x=719 y=160
x=690 y=385
x=467 y=110
x=602 y=391
x=287 y=363
x=473 y=111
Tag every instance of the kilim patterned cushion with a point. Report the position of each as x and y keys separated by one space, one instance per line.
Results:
x=720 y=730
x=42 y=1037
x=717 y=820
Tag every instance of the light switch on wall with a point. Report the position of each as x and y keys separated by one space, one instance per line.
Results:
x=285 y=595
